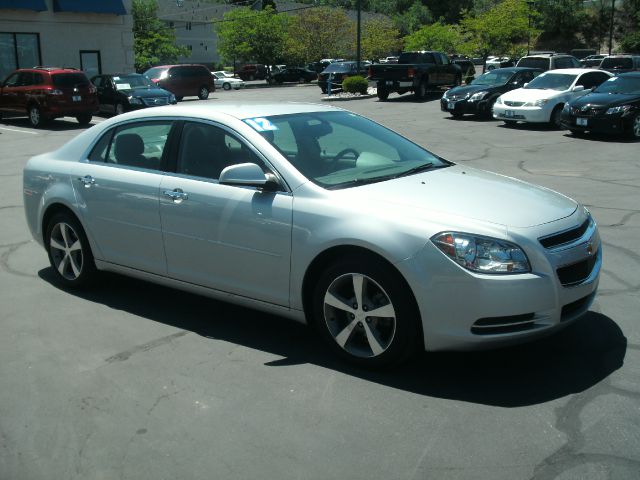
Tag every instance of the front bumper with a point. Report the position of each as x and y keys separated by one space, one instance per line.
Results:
x=522 y=114
x=463 y=310
x=464 y=106
x=612 y=124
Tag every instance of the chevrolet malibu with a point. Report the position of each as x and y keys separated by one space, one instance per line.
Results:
x=320 y=215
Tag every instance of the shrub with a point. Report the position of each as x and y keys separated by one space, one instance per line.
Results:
x=355 y=84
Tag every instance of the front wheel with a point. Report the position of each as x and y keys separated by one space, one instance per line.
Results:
x=556 y=117
x=510 y=123
x=119 y=109
x=635 y=127
x=69 y=251
x=226 y=86
x=383 y=94
x=363 y=309
x=203 y=93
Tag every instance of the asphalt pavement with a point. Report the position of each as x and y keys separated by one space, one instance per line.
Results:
x=131 y=380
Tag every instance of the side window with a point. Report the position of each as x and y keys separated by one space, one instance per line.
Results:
x=38 y=79
x=26 y=79
x=101 y=149
x=600 y=78
x=445 y=59
x=206 y=150
x=12 y=81
x=575 y=63
x=139 y=144
x=429 y=58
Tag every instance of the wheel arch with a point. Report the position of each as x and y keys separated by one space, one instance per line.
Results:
x=330 y=255
x=58 y=206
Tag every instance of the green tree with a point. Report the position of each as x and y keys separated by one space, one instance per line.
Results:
x=443 y=38
x=501 y=30
x=322 y=32
x=561 y=22
x=246 y=34
x=153 y=41
x=379 y=38
x=412 y=18
x=628 y=26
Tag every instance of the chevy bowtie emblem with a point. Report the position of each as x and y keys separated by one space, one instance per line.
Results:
x=590 y=248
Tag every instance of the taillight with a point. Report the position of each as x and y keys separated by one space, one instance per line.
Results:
x=411 y=72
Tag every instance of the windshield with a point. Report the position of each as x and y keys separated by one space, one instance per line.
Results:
x=552 y=81
x=127 y=82
x=616 y=63
x=493 y=78
x=154 y=73
x=341 y=149
x=534 y=62
x=626 y=85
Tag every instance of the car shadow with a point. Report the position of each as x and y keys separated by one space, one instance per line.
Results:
x=471 y=118
x=411 y=98
x=534 y=127
x=57 y=125
x=569 y=362
x=601 y=137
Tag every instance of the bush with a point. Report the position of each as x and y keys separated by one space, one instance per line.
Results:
x=355 y=84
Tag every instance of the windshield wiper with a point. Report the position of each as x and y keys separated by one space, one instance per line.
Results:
x=420 y=168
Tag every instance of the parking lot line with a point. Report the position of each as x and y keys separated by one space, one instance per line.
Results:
x=16 y=130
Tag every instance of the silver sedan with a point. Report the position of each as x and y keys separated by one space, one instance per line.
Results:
x=320 y=215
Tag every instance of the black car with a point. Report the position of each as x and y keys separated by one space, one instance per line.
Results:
x=337 y=72
x=479 y=96
x=119 y=93
x=467 y=66
x=294 y=74
x=613 y=107
x=621 y=64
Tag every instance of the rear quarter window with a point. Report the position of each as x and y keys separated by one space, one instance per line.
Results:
x=541 y=63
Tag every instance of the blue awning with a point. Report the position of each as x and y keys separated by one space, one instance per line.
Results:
x=35 y=5
x=90 y=6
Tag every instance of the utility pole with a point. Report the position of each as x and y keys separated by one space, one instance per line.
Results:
x=359 y=7
x=613 y=10
x=529 y=5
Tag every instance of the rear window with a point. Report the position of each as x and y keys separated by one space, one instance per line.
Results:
x=69 y=80
x=534 y=62
x=416 y=57
x=617 y=63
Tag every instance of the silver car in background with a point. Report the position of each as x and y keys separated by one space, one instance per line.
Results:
x=317 y=214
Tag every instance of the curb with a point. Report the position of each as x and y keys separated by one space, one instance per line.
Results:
x=336 y=98
x=283 y=85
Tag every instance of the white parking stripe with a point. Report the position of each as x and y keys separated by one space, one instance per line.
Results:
x=16 y=130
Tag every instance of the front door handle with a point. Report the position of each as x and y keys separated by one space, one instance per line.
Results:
x=177 y=195
x=87 y=180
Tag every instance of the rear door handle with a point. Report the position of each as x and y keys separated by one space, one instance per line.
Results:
x=87 y=180
x=177 y=195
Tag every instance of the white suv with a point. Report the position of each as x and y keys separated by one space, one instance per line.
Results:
x=542 y=99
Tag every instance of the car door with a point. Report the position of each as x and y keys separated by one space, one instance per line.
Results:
x=8 y=95
x=118 y=189
x=230 y=238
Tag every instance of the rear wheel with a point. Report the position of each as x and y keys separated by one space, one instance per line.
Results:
x=301 y=80
x=203 y=93
x=635 y=127
x=69 y=251
x=84 y=119
x=179 y=98
x=363 y=309
x=226 y=86
x=577 y=133
x=119 y=109
x=556 y=116
x=383 y=94
x=510 y=123
x=421 y=91
x=35 y=116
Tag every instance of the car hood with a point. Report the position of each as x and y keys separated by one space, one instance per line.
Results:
x=604 y=100
x=471 y=89
x=144 y=92
x=459 y=191
x=530 y=94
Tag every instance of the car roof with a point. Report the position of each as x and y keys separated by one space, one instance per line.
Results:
x=629 y=74
x=571 y=71
x=515 y=69
x=240 y=111
x=50 y=70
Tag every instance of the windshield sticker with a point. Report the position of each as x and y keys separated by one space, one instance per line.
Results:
x=116 y=78
x=123 y=86
x=261 y=124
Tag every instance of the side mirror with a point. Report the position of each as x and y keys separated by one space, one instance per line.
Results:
x=249 y=175
x=525 y=84
x=577 y=88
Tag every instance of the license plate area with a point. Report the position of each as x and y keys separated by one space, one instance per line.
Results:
x=451 y=105
x=581 y=122
x=508 y=113
x=389 y=83
x=76 y=98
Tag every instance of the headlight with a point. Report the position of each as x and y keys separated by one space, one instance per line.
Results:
x=537 y=103
x=499 y=101
x=620 y=109
x=172 y=98
x=135 y=101
x=482 y=254
x=478 y=96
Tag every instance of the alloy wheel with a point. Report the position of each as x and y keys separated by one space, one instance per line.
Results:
x=119 y=109
x=34 y=116
x=226 y=86
x=359 y=315
x=66 y=251
x=636 y=126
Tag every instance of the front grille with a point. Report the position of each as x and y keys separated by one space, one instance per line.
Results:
x=513 y=104
x=586 y=112
x=568 y=236
x=574 y=308
x=577 y=272
x=456 y=98
x=154 y=101
x=509 y=324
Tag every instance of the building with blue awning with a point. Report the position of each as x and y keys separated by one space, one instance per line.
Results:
x=93 y=35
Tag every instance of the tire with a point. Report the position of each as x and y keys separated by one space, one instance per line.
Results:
x=383 y=94
x=84 y=119
x=119 y=110
x=457 y=114
x=251 y=78
x=556 y=115
x=489 y=112
x=179 y=98
x=458 y=81
x=69 y=251
x=354 y=335
x=577 y=133
x=35 y=116
x=226 y=86
x=421 y=91
x=301 y=80
x=323 y=90
x=634 y=131
x=203 y=93
x=510 y=123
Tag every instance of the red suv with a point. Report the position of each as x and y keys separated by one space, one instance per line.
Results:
x=45 y=93
x=183 y=80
